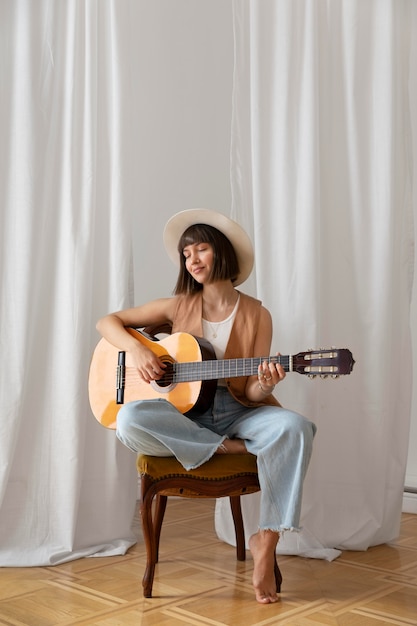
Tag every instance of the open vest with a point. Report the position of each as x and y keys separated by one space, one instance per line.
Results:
x=188 y=318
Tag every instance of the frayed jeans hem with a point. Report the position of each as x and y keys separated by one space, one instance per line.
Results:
x=282 y=529
x=206 y=459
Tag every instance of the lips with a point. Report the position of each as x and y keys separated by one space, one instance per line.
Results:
x=197 y=270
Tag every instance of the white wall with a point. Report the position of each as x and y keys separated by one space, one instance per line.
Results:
x=185 y=66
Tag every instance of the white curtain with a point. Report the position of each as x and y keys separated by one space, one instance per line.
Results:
x=321 y=176
x=67 y=488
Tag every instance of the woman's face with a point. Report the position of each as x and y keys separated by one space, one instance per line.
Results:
x=199 y=259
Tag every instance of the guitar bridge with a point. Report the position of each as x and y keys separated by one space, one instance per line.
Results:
x=120 y=378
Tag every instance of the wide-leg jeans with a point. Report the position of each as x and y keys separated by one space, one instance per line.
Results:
x=280 y=439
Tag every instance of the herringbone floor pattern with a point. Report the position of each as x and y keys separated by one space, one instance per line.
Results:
x=199 y=582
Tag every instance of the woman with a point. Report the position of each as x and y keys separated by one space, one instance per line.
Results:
x=215 y=255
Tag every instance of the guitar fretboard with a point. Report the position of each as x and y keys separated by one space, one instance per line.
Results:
x=226 y=368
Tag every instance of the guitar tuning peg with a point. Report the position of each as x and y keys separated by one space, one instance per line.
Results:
x=335 y=375
x=311 y=376
x=323 y=376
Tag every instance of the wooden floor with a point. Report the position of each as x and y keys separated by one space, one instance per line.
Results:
x=199 y=582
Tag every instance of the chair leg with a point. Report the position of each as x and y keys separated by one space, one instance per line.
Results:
x=239 y=529
x=278 y=575
x=161 y=504
x=149 y=538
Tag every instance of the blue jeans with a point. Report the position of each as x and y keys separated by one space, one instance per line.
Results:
x=280 y=439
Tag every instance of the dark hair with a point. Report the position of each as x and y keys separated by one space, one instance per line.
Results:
x=225 y=266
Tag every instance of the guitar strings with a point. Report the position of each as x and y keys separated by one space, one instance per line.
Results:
x=232 y=368
x=212 y=369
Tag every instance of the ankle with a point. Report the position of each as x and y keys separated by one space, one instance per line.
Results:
x=232 y=446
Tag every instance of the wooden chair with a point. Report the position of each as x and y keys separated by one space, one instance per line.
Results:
x=230 y=475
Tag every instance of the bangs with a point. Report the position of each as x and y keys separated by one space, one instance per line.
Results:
x=197 y=233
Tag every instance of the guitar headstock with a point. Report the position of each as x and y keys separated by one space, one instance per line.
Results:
x=334 y=362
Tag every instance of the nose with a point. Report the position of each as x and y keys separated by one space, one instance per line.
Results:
x=194 y=257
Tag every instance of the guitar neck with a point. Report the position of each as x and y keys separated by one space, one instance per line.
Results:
x=226 y=368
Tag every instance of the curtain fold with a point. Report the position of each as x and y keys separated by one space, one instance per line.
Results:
x=321 y=177
x=67 y=129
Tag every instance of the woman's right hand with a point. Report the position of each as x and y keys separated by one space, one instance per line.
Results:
x=148 y=365
x=114 y=328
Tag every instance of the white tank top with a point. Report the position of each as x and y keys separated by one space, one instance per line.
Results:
x=218 y=333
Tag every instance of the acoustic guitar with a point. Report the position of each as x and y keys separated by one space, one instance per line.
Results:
x=190 y=378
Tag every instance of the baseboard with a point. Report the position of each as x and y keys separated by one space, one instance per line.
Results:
x=409 y=502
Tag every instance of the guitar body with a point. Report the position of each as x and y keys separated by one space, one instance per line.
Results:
x=185 y=396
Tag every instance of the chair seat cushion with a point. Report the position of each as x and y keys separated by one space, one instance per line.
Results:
x=219 y=467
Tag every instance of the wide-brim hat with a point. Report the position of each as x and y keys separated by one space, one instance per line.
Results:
x=237 y=236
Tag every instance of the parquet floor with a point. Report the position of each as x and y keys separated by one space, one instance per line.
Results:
x=199 y=581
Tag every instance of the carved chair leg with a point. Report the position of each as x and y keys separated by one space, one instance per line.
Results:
x=161 y=504
x=149 y=538
x=239 y=529
x=278 y=575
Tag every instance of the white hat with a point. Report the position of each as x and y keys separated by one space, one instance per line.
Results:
x=239 y=239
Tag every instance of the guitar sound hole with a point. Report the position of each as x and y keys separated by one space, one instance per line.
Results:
x=166 y=379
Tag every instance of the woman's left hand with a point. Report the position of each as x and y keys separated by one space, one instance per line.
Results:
x=270 y=374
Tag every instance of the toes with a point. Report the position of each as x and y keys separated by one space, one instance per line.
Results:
x=266 y=600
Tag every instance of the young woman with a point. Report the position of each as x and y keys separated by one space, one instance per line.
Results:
x=215 y=255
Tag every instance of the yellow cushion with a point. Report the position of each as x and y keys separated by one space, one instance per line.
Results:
x=219 y=466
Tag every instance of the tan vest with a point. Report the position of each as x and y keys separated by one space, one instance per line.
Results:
x=188 y=316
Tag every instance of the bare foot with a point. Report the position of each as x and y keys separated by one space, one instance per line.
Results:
x=232 y=446
x=262 y=546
